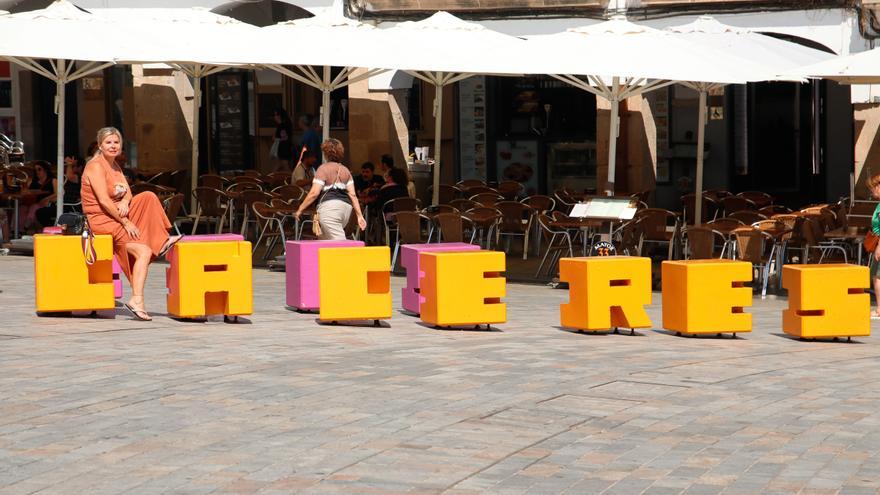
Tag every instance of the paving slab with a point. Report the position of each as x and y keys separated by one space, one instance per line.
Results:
x=280 y=404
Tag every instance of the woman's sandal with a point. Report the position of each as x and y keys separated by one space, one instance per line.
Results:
x=165 y=250
x=139 y=314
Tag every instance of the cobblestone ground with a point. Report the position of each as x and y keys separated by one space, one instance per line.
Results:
x=281 y=405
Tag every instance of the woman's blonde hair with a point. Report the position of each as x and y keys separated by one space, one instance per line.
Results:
x=873 y=181
x=103 y=133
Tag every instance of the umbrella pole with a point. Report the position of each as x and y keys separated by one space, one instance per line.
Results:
x=438 y=122
x=701 y=137
x=59 y=111
x=325 y=105
x=197 y=103
x=612 y=142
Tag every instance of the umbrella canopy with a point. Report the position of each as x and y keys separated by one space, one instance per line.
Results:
x=764 y=57
x=859 y=68
x=627 y=59
x=194 y=40
x=445 y=43
x=444 y=49
x=261 y=12
x=59 y=35
x=16 y=6
x=324 y=41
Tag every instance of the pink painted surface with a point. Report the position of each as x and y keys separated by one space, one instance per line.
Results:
x=301 y=263
x=117 y=279
x=409 y=259
x=172 y=256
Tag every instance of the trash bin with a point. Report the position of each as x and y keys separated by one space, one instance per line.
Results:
x=421 y=175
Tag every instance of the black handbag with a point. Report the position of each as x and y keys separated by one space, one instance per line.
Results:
x=72 y=223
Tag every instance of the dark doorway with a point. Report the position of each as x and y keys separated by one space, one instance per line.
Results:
x=778 y=145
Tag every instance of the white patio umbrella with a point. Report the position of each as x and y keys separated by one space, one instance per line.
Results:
x=324 y=41
x=444 y=49
x=195 y=41
x=768 y=56
x=60 y=35
x=858 y=68
x=617 y=59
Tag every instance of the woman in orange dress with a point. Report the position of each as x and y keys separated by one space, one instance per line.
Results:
x=138 y=224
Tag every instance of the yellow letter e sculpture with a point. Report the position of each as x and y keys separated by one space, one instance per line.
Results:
x=355 y=283
x=463 y=288
x=706 y=296
x=606 y=292
x=826 y=301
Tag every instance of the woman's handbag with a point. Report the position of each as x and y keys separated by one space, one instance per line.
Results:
x=88 y=245
x=72 y=223
x=870 y=242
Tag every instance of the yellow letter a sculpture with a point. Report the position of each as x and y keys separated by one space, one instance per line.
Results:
x=606 y=292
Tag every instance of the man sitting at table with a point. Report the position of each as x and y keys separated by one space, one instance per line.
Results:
x=368 y=182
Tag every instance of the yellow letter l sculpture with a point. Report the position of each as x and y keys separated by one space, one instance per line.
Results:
x=706 y=296
x=355 y=283
x=826 y=301
x=463 y=288
x=606 y=292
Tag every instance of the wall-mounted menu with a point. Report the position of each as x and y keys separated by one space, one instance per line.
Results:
x=472 y=127
x=230 y=122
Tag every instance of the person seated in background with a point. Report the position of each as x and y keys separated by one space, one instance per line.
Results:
x=367 y=183
x=387 y=162
x=72 y=173
x=395 y=187
x=41 y=213
x=304 y=171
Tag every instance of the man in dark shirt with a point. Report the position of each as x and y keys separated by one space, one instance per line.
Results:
x=310 y=138
x=368 y=181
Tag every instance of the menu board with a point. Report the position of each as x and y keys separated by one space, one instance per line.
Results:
x=230 y=122
x=472 y=127
x=608 y=208
x=518 y=161
x=660 y=107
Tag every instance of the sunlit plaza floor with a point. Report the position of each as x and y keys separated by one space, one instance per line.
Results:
x=279 y=404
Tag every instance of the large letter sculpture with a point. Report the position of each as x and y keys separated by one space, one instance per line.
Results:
x=411 y=298
x=210 y=277
x=463 y=288
x=706 y=296
x=826 y=301
x=301 y=271
x=355 y=283
x=65 y=282
x=606 y=292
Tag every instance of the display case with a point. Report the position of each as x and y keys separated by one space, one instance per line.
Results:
x=571 y=165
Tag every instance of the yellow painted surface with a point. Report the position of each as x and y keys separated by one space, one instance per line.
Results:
x=463 y=288
x=826 y=301
x=211 y=278
x=706 y=296
x=63 y=280
x=606 y=292
x=355 y=283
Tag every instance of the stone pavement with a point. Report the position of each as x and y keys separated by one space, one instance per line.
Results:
x=281 y=405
